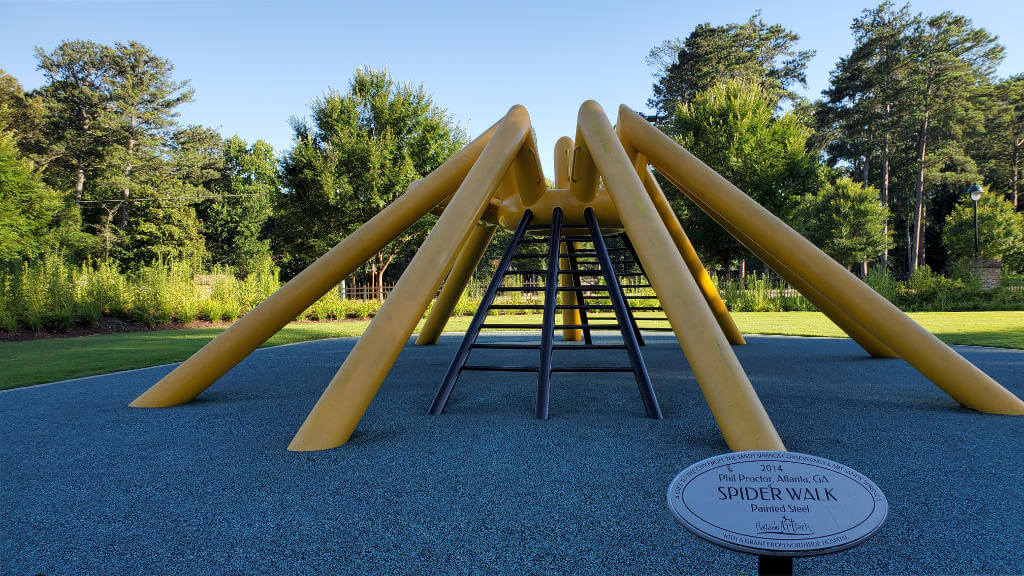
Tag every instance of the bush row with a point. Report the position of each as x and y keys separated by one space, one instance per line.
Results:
x=48 y=294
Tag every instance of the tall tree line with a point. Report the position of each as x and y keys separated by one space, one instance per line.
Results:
x=94 y=164
x=915 y=110
x=124 y=179
x=913 y=115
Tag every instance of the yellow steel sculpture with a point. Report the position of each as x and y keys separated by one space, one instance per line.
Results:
x=490 y=183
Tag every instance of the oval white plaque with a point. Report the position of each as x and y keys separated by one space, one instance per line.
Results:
x=777 y=503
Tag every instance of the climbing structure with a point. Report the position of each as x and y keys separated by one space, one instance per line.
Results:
x=604 y=178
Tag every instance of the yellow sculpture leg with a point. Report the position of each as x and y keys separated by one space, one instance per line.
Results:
x=342 y=405
x=563 y=158
x=583 y=174
x=212 y=361
x=738 y=411
x=686 y=250
x=529 y=176
x=851 y=327
x=455 y=284
x=934 y=359
x=569 y=315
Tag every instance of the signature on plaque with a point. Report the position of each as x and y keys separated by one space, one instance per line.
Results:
x=785 y=526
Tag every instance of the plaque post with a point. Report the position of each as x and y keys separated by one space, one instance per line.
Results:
x=774 y=566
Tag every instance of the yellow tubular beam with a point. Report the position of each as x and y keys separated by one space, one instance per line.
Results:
x=686 y=250
x=563 y=156
x=212 y=361
x=569 y=315
x=934 y=359
x=582 y=173
x=528 y=173
x=738 y=411
x=851 y=327
x=458 y=277
x=342 y=405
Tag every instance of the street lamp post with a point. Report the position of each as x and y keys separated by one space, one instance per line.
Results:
x=975 y=192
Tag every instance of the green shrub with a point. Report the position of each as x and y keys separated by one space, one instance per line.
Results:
x=362 y=308
x=466 y=306
x=224 y=289
x=8 y=321
x=329 y=307
x=881 y=281
x=209 y=309
x=154 y=295
x=104 y=288
x=263 y=281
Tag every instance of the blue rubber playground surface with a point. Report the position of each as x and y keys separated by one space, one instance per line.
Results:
x=90 y=486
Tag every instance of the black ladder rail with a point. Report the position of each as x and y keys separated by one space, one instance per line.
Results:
x=632 y=319
x=629 y=333
x=548 y=334
x=448 y=384
x=628 y=245
x=574 y=264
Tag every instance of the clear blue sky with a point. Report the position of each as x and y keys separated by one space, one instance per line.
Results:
x=255 y=64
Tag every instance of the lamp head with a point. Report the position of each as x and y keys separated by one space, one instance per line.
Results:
x=975 y=192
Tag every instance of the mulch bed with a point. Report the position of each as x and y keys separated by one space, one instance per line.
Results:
x=105 y=325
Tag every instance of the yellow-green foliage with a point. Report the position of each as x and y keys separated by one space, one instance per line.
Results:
x=49 y=294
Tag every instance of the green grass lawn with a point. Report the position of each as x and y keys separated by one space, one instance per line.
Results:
x=49 y=360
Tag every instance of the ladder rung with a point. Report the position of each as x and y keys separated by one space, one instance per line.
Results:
x=573 y=272
x=525 y=346
x=517 y=307
x=591 y=326
x=587 y=238
x=588 y=252
x=638 y=318
x=598 y=273
x=595 y=369
x=584 y=288
x=477 y=368
x=519 y=326
x=588 y=346
x=583 y=307
x=516 y=346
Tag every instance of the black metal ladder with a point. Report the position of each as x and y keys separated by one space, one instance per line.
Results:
x=623 y=317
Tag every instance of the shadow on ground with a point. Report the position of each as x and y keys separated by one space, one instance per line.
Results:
x=91 y=486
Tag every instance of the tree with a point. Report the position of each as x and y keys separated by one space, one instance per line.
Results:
x=143 y=101
x=76 y=97
x=235 y=215
x=733 y=128
x=754 y=52
x=110 y=118
x=25 y=116
x=998 y=147
x=27 y=205
x=867 y=93
x=845 y=220
x=951 y=57
x=1000 y=229
x=357 y=153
